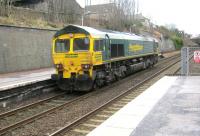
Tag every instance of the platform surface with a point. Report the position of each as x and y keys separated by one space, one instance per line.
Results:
x=12 y=80
x=170 y=107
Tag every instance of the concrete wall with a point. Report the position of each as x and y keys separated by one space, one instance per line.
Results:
x=24 y=49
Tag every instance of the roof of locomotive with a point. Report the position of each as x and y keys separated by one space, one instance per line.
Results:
x=100 y=33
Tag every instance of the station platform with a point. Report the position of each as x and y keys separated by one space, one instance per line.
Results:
x=18 y=79
x=170 y=107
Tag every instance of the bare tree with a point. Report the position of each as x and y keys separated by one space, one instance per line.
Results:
x=6 y=6
x=64 y=11
x=122 y=15
x=50 y=11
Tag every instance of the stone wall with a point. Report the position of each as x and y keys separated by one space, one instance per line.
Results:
x=167 y=45
x=24 y=48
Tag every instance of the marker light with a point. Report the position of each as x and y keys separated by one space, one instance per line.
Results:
x=71 y=35
x=59 y=67
x=85 y=66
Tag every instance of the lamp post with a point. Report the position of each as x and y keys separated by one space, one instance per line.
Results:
x=132 y=26
x=85 y=14
x=82 y=19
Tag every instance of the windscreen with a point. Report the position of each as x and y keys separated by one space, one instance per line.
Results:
x=81 y=44
x=62 y=46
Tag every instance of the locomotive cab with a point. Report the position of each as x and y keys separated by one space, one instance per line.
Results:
x=72 y=55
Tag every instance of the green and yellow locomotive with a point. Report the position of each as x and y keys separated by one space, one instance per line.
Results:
x=85 y=57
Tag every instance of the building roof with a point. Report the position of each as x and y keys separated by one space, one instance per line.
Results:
x=100 y=33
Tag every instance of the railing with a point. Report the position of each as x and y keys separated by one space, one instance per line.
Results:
x=189 y=61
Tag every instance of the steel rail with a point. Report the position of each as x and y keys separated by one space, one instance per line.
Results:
x=11 y=112
x=15 y=93
x=83 y=118
x=31 y=119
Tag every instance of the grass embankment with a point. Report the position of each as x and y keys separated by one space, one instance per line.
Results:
x=37 y=23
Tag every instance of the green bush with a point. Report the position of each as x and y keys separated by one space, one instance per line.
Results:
x=178 y=42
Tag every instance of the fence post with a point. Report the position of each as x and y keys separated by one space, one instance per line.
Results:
x=188 y=61
x=184 y=61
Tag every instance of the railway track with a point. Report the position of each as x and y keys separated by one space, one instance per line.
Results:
x=27 y=91
x=25 y=114
x=93 y=119
x=58 y=105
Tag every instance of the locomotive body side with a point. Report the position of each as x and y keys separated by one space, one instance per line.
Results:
x=85 y=58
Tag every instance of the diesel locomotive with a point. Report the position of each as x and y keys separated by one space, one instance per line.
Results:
x=86 y=57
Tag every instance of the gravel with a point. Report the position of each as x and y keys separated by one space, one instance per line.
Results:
x=26 y=102
x=54 y=121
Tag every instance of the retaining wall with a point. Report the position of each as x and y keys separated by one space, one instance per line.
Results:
x=24 y=49
x=167 y=45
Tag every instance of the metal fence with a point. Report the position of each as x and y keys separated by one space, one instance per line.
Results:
x=190 y=61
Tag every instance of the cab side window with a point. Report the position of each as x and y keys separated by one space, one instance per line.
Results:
x=99 y=45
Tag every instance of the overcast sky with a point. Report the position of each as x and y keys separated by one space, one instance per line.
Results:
x=185 y=14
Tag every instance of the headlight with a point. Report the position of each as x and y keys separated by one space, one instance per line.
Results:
x=59 y=67
x=85 y=66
